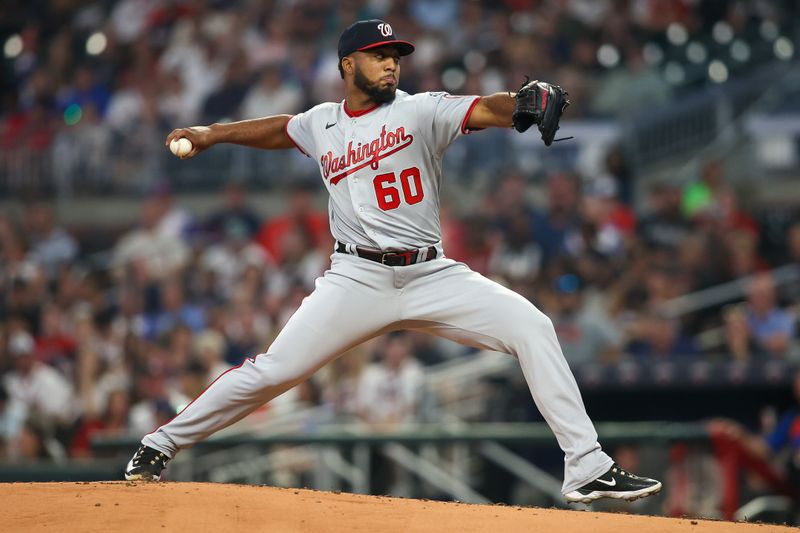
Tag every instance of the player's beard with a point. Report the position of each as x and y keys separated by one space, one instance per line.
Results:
x=377 y=94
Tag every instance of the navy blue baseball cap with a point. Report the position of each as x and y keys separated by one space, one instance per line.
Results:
x=365 y=34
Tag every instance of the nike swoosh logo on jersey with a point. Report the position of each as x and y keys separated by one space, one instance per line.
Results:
x=609 y=483
x=329 y=126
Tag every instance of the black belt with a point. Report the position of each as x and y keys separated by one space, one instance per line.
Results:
x=392 y=258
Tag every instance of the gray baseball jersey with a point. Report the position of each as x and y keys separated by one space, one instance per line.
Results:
x=382 y=168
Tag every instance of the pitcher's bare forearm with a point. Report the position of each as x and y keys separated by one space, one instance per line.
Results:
x=268 y=133
x=493 y=111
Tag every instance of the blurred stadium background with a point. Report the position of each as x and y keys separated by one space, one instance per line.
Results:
x=664 y=242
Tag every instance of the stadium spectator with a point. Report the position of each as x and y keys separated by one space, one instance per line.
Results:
x=150 y=253
x=193 y=379
x=127 y=102
x=129 y=351
x=36 y=389
x=643 y=86
x=17 y=265
x=157 y=403
x=222 y=105
x=773 y=452
x=390 y=395
x=738 y=340
x=516 y=257
x=469 y=240
x=694 y=482
x=272 y=95
x=112 y=421
x=390 y=391
x=793 y=243
x=235 y=209
x=654 y=336
x=51 y=246
x=742 y=254
x=790 y=254
x=561 y=217
x=174 y=221
x=585 y=335
x=712 y=204
x=301 y=216
x=173 y=311
x=605 y=224
x=34 y=443
x=249 y=328
x=82 y=152
x=785 y=436
x=228 y=259
x=664 y=226
x=701 y=259
x=200 y=63
x=85 y=91
x=174 y=106
x=340 y=384
x=137 y=164
x=209 y=349
x=54 y=342
x=759 y=327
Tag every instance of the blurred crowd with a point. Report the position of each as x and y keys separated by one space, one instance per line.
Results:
x=120 y=345
x=116 y=343
x=94 y=85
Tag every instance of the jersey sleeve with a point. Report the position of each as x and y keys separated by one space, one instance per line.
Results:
x=300 y=132
x=445 y=117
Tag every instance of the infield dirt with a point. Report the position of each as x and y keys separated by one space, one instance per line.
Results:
x=121 y=507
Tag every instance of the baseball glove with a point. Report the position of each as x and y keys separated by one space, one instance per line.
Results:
x=542 y=104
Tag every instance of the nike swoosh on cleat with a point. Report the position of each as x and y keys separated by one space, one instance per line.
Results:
x=611 y=483
x=329 y=126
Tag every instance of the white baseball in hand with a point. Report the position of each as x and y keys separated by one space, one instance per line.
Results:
x=180 y=147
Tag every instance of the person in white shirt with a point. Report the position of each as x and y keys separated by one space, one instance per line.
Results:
x=159 y=254
x=390 y=391
x=35 y=388
x=271 y=95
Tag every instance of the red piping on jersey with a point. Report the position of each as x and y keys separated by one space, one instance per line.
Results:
x=286 y=130
x=251 y=359
x=374 y=161
x=358 y=112
x=469 y=114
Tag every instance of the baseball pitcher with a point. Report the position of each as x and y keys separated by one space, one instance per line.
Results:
x=380 y=153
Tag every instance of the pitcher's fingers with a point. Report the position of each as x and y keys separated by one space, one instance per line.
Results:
x=192 y=153
x=174 y=134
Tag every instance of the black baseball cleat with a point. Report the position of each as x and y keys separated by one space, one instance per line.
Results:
x=616 y=483
x=146 y=465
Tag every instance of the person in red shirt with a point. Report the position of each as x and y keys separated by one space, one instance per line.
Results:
x=54 y=344
x=301 y=215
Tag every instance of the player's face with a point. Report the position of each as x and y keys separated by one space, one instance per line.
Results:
x=377 y=73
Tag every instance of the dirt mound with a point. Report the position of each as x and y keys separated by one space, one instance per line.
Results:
x=199 y=507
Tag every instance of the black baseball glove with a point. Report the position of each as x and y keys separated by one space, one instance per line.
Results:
x=542 y=104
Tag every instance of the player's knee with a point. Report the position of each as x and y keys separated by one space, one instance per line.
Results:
x=542 y=323
x=273 y=374
x=532 y=319
x=533 y=323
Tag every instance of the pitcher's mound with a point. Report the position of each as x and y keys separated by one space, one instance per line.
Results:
x=121 y=507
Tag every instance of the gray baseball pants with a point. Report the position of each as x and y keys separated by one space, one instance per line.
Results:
x=358 y=299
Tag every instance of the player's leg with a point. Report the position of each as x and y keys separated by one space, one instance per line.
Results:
x=346 y=308
x=466 y=307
